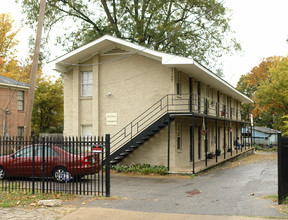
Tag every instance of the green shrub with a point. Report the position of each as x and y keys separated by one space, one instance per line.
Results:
x=140 y=168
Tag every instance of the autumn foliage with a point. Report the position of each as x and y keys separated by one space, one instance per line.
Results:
x=9 y=65
x=48 y=107
x=267 y=85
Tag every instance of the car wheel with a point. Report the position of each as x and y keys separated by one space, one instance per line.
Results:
x=2 y=173
x=58 y=174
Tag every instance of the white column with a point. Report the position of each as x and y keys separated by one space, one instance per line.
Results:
x=76 y=101
x=95 y=103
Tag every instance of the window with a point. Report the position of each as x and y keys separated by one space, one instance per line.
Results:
x=20 y=100
x=48 y=152
x=178 y=136
x=25 y=152
x=20 y=131
x=211 y=93
x=86 y=130
x=86 y=83
x=178 y=82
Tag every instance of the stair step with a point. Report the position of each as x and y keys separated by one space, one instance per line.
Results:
x=124 y=154
x=113 y=161
x=118 y=158
x=129 y=150
x=134 y=146
x=156 y=130
x=139 y=142
x=145 y=138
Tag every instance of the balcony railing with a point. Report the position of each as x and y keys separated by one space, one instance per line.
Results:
x=202 y=105
x=184 y=103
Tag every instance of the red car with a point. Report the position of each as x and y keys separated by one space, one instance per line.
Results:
x=61 y=163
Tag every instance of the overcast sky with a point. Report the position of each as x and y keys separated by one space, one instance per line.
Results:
x=260 y=26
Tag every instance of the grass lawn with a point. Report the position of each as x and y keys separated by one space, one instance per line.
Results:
x=23 y=198
x=283 y=207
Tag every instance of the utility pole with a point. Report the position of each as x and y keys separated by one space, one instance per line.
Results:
x=5 y=132
x=31 y=92
x=6 y=126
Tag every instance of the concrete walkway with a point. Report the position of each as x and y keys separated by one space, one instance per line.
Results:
x=112 y=214
x=202 y=166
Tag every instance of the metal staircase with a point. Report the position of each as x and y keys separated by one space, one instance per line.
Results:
x=140 y=130
x=156 y=118
x=139 y=139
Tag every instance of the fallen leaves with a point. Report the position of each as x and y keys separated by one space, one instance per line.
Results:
x=254 y=158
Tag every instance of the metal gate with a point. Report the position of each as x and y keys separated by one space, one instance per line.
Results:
x=73 y=165
x=282 y=168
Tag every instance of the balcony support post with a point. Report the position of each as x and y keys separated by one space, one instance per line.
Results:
x=168 y=151
x=206 y=142
x=216 y=139
x=224 y=148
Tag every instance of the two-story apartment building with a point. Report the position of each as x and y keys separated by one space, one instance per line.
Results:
x=159 y=108
x=13 y=101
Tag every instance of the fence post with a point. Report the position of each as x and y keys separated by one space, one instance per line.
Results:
x=33 y=165
x=43 y=164
x=280 y=170
x=107 y=169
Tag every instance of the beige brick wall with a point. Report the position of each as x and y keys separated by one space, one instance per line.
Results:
x=135 y=84
x=154 y=151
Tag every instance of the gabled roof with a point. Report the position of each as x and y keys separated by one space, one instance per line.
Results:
x=107 y=43
x=266 y=130
x=11 y=82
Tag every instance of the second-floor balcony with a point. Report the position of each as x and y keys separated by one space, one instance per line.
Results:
x=175 y=104
x=202 y=105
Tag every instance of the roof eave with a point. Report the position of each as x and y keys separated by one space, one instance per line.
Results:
x=205 y=74
x=61 y=64
x=14 y=86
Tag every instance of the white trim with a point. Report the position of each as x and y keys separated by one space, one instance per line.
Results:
x=14 y=86
x=61 y=64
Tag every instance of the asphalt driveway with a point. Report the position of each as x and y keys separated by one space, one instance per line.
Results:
x=234 y=191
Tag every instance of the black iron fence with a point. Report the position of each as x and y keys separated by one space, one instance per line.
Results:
x=282 y=168
x=72 y=165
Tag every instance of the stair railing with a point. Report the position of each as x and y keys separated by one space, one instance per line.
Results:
x=170 y=103
x=140 y=123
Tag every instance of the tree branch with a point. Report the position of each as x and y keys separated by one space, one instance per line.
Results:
x=79 y=15
x=112 y=21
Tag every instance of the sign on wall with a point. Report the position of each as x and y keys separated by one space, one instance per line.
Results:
x=111 y=118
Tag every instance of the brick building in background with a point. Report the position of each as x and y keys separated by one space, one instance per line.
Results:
x=13 y=102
